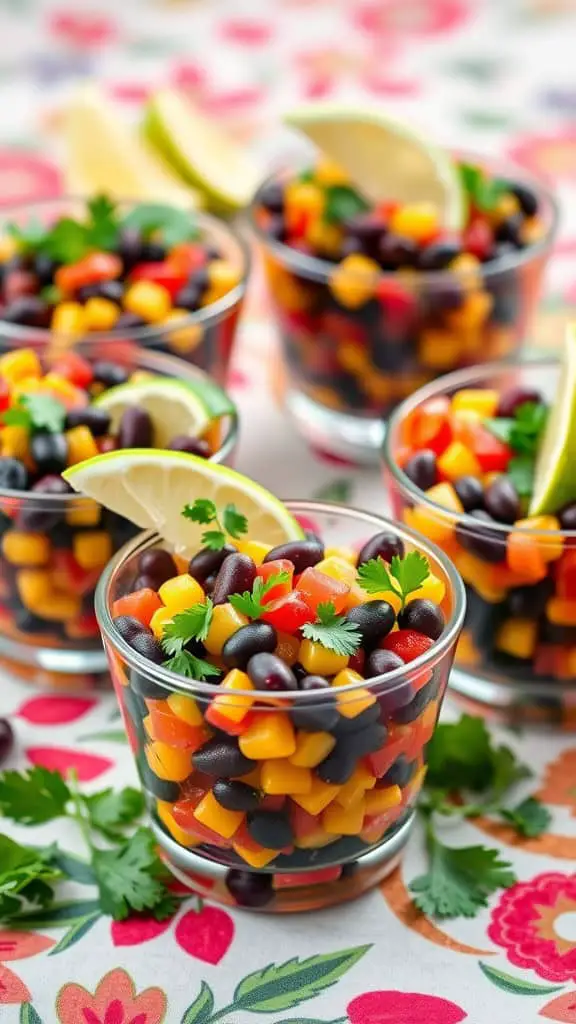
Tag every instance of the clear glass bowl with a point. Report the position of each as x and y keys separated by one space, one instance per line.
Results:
x=68 y=653
x=321 y=867
x=204 y=338
x=516 y=658
x=346 y=369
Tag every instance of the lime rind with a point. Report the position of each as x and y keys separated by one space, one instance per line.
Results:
x=555 y=475
x=174 y=407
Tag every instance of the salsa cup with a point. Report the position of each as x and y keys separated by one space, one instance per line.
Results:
x=338 y=849
x=41 y=534
x=204 y=338
x=354 y=348
x=516 y=658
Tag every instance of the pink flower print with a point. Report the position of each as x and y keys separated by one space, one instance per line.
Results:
x=246 y=31
x=410 y=17
x=403 y=1008
x=83 y=30
x=552 y=155
x=528 y=923
x=114 y=1002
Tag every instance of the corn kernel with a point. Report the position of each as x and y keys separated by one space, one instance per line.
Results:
x=354 y=703
x=338 y=569
x=228 y=704
x=180 y=593
x=320 y=795
x=83 y=512
x=432 y=589
x=472 y=313
x=506 y=206
x=59 y=607
x=184 y=707
x=312 y=748
x=14 y=441
x=100 y=314
x=225 y=621
x=279 y=777
x=380 y=800
x=550 y=542
x=468 y=269
x=517 y=637
x=359 y=596
x=211 y=814
x=270 y=735
x=561 y=612
x=317 y=660
x=344 y=821
x=183 y=337
x=483 y=401
x=34 y=586
x=436 y=524
x=287 y=648
x=81 y=445
x=353 y=281
x=345 y=554
x=62 y=389
x=439 y=349
x=68 y=319
x=9 y=247
x=92 y=549
x=223 y=276
x=164 y=812
x=255 y=549
x=327 y=172
x=315 y=840
x=159 y=619
x=172 y=764
x=255 y=858
x=302 y=198
x=457 y=460
x=354 y=790
x=26 y=549
x=324 y=238
x=15 y=366
x=149 y=300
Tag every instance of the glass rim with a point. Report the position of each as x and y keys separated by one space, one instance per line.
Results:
x=204 y=316
x=146 y=359
x=318 y=268
x=172 y=681
x=447 y=383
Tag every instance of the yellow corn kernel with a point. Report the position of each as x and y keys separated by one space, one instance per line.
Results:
x=517 y=637
x=211 y=814
x=100 y=314
x=468 y=269
x=14 y=441
x=302 y=197
x=479 y=575
x=354 y=280
x=20 y=548
x=317 y=660
x=255 y=858
x=506 y=206
x=466 y=651
x=315 y=840
x=327 y=172
x=61 y=388
x=353 y=359
x=472 y=313
x=159 y=619
x=164 y=812
x=81 y=445
x=325 y=238
x=457 y=460
x=34 y=586
x=182 y=706
x=279 y=777
x=68 y=318
x=183 y=337
x=482 y=401
x=550 y=543
x=561 y=612
x=320 y=795
x=230 y=704
x=362 y=596
x=285 y=288
x=223 y=276
x=255 y=549
x=180 y=593
x=270 y=735
x=418 y=221
x=312 y=748
x=149 y=300
x=432 y=589
x=59 y=607
x=378 y=386
x=344 y=821
x=532 y=230
x=8 y=248
x=439 y=349
x=359 y=782
x=173 y=764
x=92 y=549
x=15 y=366
x=380 y=800
x=225 y=621
x=344 y=554
x=338 y=569
x=287 y=648
x=83 y=512
x=354 y=703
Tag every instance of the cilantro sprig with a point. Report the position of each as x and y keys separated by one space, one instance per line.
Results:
x=192 y=624
x=522 y=433
x=403 y=576
x=253 y=603
x=232 y=523
x=128 y=872
x=482 y=191
x=36 y=412
x=335 y=632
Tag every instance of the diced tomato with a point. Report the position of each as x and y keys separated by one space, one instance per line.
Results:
x=398 y=302
x=292 y=880
x=220 y=720
x=397 y=743
x=566 y=575
x=96 y=266
x=288 y=613
x=478 y=238
x=183 y=814
x=492 y=454
x=74 y=368
x=186 y=257
x=169 y=728
x=141 y=604
x=160 y=273
x=429 y=426
x=317 y=588
x=4 y=394
x=68 y=575
x=268 y=569
x=84 y=626
x=407 y=644
x=303 y=823
x=272 y=802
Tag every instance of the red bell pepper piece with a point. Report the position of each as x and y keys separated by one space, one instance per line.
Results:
x=492 y=453
x=288 y=613
x=268 y=569
x=74 y=368
x=160 y=273
x=429 y=426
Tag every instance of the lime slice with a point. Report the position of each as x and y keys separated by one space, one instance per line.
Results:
x=199 y=152
x=103 y=155
x=173 y=407
x=212 y=396
x=554 y=476
x=384 y=158
x=151 y=487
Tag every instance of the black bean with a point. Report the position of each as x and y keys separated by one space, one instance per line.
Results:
x=144 y=687
x=6 y=739
x=374 y=620
x=396 y=252
x=421 y=469
x=470 y=491
x=379 y=663
x=129 y=321
x=399 y=774
x=130 y=247
x=383 y=545
x=514 y=397
x=501 y=500
x=478 y=538
x=253 y=639
x=567 y=517
x=527 y=200
x=28 y=311
x=236 y=574
x=27 y=622
x=97 y=420
x=50 y=452
x=409 y=713
x=235 y=796
x=145 y=582
x=302 y=553
x=160 y=788
x=345 y=725
x=337 y=767
x=223 y=758
x=269 y=672
x=365 y=741
x=128 y=626
x=149 y=647
x=530 y=601
x=276 y=228
x=423 y=616
x=250 y=889
x=191 y=445
x=438 y=255
x=111 y=290
x=110 y=374
x=271 y=196
x=366 y=233
x=271 y=829
x=188 y=297
x=45 y=267
x=321 y=717
x=13 y=474
x=158 y=564
x=135 y=709
x=135 y=429
x=152 y=252
x=207 y=562
x=510 y=230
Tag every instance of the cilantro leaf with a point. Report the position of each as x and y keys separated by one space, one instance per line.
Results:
x=459 y=881
x=46 y=412
x=234 y=522
x=17 y=416
x=131 y=877
x=201 y=511
x=193 y=624
x=521 y=472
x=215 y=540
x=204 y=511
x=26 y=876
x=335 y=632
x=33 y=796
x=459 y=755
x=521 y=432
x=530 y=818
x=103 y=225
x=186 y=664
x=30 y=235
x=374 y=576
x=506 y=772
x=253 y=604
x=482 y=191
x=67 y=241
x=109 y=810
x=342 y=203
x=403 y=576
x=173 y=224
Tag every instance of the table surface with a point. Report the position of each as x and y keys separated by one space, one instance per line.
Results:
x=496 y=76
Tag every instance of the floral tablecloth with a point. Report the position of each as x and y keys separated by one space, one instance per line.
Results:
x=498 y=76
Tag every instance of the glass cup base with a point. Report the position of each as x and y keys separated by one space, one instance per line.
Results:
x=515 y=703
x=356 y=438
x=293 y=891
x=54 y=668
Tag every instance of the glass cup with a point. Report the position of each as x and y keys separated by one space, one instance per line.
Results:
x=62 y=647
x=203 y=338
x=351 y=355
x=341 y=842
x=516 y=658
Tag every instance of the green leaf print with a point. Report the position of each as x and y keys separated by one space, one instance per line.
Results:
x=201 y=1009
x=282 y=986
x=28 y=1014
x=57 y=915
x=78 y=930
x=516 y=986
x=336 y=490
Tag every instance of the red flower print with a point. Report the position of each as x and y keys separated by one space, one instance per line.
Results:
x=206 y=934
x=82 y=30
x=25 y=177
x=563 y=1008
x=551 y=156
x=559 y=785
x=115 y=999
x=136 y=929
x=54 y=710
x=246 y=31
x=411 y=17
x=189 y=76
x=87 y=766
x=20 y=945
x=12 y=988
x=528 y=923
x=403 y=1008
x=129 y=91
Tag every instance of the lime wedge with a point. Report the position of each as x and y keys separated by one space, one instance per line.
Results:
x=174 y=408
x=103 y=155
x=151 y=487
x=199 y=152
x=554 y=476
x=384 y=158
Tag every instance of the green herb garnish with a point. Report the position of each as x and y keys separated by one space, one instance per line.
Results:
x=253 y=603
x=335 y=632
x=27 y=878
x=36 y=412
x=192 y=624
x=186 y=664
x=342 y=203
x=521 y=432
x=530 y=818
x=175 y=225
x=204 y=511
x=403 y=576
x=482 y=191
